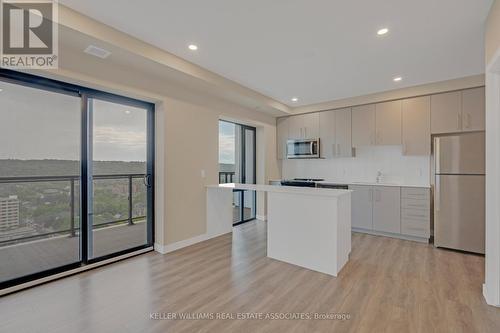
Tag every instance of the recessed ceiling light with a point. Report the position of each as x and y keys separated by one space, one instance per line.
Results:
x=97 y=51
x=382 y=31
x=397 y=79
x=1 y=90
x=295 y=99
x=193 y=47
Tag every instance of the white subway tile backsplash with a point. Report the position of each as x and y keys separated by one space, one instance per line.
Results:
x=395 y=167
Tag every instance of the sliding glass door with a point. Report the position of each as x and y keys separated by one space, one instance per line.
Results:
x=237 y=164
x=76 y=176
x=121 y=178
x=39 y=180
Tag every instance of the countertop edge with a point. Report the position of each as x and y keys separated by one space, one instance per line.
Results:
x=324 y=192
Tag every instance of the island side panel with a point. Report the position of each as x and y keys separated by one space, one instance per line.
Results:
x=219 y=211
x=302 y=230
x=344 y=230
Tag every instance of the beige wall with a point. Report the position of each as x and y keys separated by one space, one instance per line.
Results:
x=191 y=137
x=492 y=35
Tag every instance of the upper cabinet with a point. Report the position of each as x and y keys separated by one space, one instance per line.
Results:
x=458 y=111
x=335 y=133
x=327 y=134
x=473 y=109
x=416 y=125
x=446 y=112
x=343 y=132
x=409 y=122
x=363 y=125
x=304 y=126
x=281 y=137
x=388 y=123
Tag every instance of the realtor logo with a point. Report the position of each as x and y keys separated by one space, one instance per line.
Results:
x=29 y=35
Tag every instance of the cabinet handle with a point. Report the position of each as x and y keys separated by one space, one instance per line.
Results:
x=459 y=116
x=416 y=215
x=437 y=201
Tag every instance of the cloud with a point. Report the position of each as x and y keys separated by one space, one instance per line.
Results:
x=113 y=135
x=226 y=148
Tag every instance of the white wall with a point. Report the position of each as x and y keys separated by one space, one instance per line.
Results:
x=396 y=168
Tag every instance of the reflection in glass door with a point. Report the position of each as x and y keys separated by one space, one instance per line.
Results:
x=121 y=178
x=39 y=181
x=237 y=164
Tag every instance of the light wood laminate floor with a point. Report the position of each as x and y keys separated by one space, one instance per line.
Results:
x=388 y=285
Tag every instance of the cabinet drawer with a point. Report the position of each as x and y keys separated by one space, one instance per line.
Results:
x=418 y=214
x=415 y=203
x=417 y=228
x=415 y=193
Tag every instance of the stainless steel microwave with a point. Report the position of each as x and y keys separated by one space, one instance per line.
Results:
x=305 y=148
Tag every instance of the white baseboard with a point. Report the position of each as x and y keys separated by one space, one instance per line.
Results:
x=391 y=235
x=261 y=217
x=488 y=297
x=164 y=249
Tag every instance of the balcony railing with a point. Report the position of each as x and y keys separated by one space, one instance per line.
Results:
x=73 y=229
x=226 y=177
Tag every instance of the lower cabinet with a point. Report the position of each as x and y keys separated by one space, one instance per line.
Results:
x=395 y=211
x=415 y=212
x=362 y=206
x=387 y=209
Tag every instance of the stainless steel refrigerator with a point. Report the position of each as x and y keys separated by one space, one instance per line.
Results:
x=459 y=191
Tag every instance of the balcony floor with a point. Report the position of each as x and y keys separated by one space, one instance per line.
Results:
x=39 y=255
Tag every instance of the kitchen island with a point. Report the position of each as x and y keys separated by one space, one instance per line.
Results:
x=307 y=227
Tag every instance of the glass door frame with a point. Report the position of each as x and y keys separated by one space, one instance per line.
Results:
x=86 y=173
x=42 y=83
x=243 y=173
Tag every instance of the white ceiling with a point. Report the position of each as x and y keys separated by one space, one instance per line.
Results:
x=317 y=50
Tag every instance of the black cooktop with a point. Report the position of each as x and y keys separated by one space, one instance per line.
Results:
x=302 y=182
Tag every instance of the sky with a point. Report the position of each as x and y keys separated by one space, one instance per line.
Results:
x=227 y=132
x=37 y=124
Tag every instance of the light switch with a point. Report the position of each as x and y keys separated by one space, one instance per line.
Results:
x=203 y=173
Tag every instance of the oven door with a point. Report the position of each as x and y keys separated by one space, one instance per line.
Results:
x=303 y=148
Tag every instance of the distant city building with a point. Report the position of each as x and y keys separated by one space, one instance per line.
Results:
x=9 y=212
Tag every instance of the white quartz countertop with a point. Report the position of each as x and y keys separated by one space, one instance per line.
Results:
x=283 y=189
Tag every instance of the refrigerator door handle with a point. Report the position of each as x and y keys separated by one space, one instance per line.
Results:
x=437 y=190
x=437 y=155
